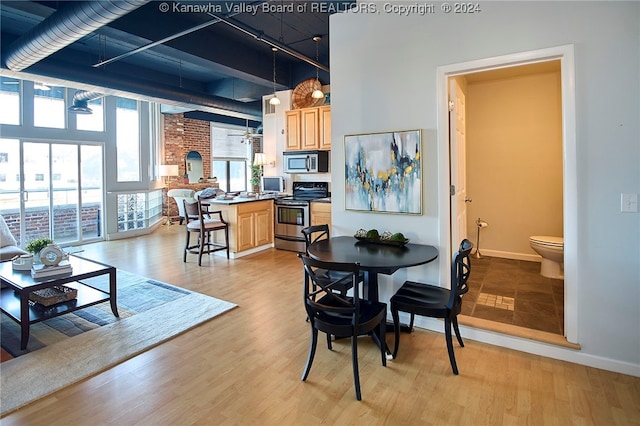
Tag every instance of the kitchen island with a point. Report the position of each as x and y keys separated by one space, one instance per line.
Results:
x=250 y=222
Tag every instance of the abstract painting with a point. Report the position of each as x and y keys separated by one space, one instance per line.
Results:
x=383 y=172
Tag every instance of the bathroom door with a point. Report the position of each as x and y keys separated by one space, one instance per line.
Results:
x=457 y=146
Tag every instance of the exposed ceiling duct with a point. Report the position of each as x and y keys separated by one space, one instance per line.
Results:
x=120 y=86
x=64 y=27
x=80 y=103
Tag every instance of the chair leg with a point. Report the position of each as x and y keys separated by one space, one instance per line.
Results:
x=457 y=330
x=201 y=248
x=329 y=346
x=411 y=323
x=186 y=248
x=226 y=239
x=396 y=331
x=447 y=335
x=354 y=356
x=312 y=352
x=383 y=341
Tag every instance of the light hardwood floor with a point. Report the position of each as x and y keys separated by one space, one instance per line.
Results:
x=244 y=367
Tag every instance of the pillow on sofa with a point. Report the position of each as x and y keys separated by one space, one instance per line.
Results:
x=6 y=237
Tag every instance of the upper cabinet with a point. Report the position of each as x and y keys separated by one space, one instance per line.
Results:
x=309 y=128
x=324 y=113
x=294 y=141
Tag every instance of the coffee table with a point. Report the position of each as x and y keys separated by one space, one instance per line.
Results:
x=14 y=298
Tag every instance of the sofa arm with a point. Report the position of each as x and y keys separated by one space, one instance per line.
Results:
x=9 y=252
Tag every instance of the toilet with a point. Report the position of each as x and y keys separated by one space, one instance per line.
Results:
x=552 y=251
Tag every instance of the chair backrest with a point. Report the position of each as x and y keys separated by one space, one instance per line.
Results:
x=460 y=271
x=192 y=210
x=315 y=233
x=320 y=296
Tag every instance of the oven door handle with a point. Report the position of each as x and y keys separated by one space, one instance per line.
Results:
x=288 y=238
x=292 y=204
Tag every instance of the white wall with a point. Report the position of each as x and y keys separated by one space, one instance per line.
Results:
x=383 y=77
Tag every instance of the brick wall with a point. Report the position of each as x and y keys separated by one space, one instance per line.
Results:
x=65 y=217
x=182 y=135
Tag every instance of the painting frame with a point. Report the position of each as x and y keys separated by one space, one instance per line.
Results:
x=383 y=172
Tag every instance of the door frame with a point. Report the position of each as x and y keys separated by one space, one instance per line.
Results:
x=565 y=54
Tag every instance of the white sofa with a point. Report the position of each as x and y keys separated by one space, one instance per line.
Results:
x=179 y=195
x=8 y=245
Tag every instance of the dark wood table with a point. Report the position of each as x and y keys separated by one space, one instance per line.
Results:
x=14 y=299
x=374 y=259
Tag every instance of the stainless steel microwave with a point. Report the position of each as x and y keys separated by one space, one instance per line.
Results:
x=306 y=161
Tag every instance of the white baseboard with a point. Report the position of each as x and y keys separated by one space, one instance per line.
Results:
x=244 y=252
x=530 y=346
x=510 y=255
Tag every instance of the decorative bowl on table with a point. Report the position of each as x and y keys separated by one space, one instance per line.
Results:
x=386 y=238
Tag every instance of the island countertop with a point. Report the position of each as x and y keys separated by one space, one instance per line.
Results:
x=229 y=200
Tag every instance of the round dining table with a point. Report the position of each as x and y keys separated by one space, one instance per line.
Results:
x=374 y=258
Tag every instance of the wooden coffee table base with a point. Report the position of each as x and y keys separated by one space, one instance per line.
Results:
x=14 y=299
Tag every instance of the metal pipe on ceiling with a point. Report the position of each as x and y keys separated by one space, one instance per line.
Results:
x=164 y=40
x=63 y=28
x=119 y=85
x=234 y=24
x=80 y=101
x=271 y=42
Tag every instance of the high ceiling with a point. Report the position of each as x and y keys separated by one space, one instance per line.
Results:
x=211 y=56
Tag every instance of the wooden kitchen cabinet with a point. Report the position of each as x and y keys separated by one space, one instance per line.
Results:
x=309 y=128
x=255 y=225
x=294 y=140
x=321 y=213
x=324 y=116
x=250 y=225
x=309 y=125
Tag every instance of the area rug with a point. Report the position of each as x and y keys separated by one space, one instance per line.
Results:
x=151 y=312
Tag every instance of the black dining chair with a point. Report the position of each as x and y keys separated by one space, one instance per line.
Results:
x=433 y=301
x=206 y=223
x=315 y=233
x=337 y=314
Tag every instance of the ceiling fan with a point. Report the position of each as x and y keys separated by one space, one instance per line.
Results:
x=247 y=136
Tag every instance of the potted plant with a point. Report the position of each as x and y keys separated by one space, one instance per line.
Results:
x=36 y=245
x=256 y=172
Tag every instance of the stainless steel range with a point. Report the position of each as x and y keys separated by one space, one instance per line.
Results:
x=292 y=214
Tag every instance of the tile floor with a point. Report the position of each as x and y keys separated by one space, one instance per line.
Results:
x=513 y=292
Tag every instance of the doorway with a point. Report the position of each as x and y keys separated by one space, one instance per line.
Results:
x=451 y=207
x=52 y=189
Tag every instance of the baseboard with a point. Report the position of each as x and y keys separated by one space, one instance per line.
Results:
x=528 y=343
x=509 y=255
x=244 y=252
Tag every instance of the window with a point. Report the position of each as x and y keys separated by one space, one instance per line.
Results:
x=49 y=106
x=9 y=100
x=231 y=174
x=136 y=210
x=127 y=140
x=93 y=122
x=230 y=158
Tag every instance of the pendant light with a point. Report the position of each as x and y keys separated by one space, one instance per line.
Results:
x=274 y=100
x=317 y=94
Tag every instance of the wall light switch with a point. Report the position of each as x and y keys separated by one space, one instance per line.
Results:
x=629 y=203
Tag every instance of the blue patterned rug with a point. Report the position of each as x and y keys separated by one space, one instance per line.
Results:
x=135 y=294
x=92 y=340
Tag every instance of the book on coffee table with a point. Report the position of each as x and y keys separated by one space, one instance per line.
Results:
x=44 y=271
